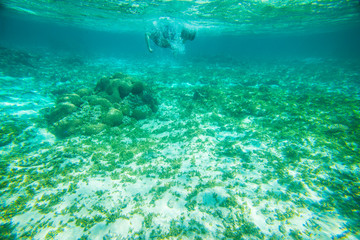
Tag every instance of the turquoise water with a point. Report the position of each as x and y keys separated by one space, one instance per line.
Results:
x=250 y=131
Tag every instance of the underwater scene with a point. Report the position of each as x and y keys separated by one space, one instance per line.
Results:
x=161 y=119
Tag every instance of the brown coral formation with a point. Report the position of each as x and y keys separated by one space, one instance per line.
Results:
x=120 y=86
x=90 y=112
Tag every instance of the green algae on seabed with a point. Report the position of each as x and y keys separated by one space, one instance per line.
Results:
x=245 y=151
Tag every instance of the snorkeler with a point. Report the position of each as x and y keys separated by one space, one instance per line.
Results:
x=166 y=33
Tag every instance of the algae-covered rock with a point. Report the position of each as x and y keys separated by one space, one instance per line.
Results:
x=84 y=92
x=96 y=100
x=71 y=98
x=119 y=88
x=113 y=117
x=125 y=109
x=123 y=87
x=92 y=129
x=137 y=87
x=115 y=131
x=141 y=112
x=60 y=111
x=102 y=84
x=337 y=128
x=66 y=127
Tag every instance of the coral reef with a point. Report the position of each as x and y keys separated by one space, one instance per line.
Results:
x=90 y=112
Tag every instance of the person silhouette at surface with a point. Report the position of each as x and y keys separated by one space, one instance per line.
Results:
x=166 y=33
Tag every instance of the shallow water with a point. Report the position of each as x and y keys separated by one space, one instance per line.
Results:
x=252 y=133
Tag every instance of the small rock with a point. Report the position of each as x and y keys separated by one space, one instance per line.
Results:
x=66 y=127
x=60 y=111
x=92 y=129
x=337 y=128
x=141 y=112
x=84 y=92
x=113 y=117
x=72 y=98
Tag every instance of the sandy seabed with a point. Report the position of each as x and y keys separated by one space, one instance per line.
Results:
x=238 y=149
